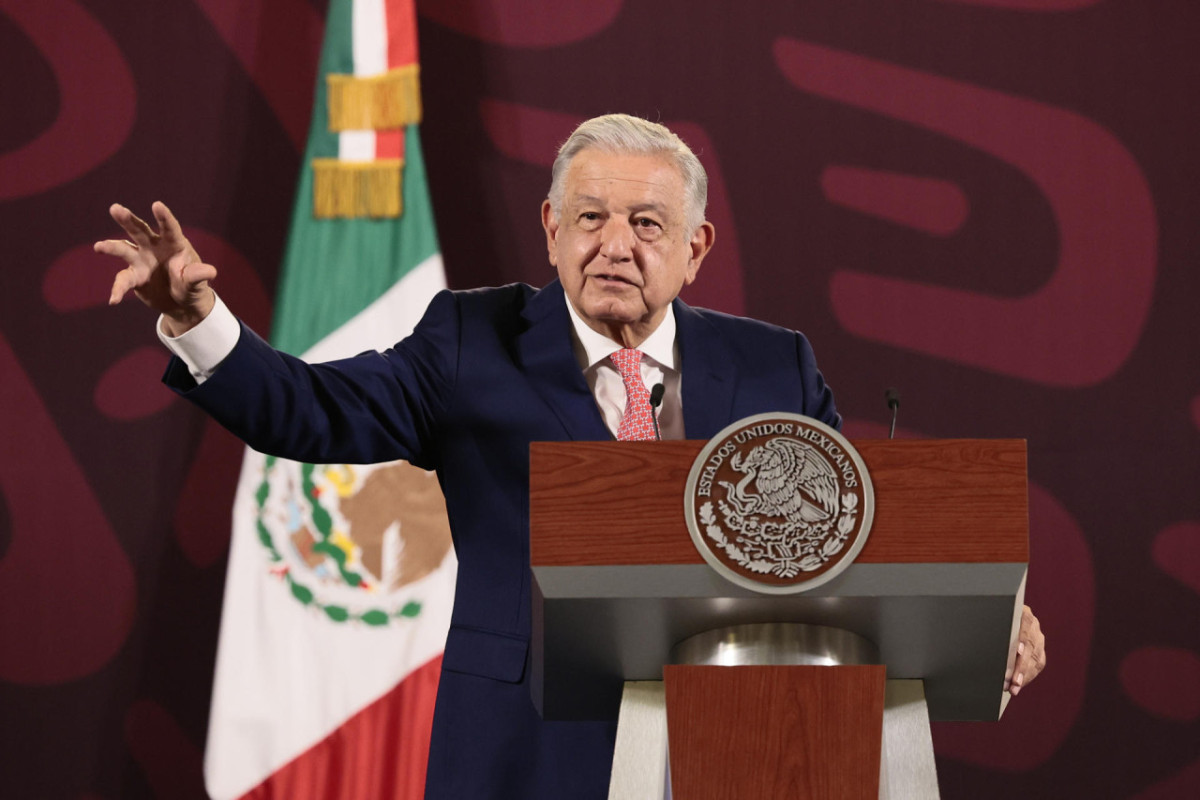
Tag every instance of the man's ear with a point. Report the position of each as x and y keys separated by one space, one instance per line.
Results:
x=702 y=241
x=550 y=225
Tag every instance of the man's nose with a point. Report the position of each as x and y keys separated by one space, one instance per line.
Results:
x=617 y=241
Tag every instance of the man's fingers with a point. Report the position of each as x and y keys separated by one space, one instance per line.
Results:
x=167 y=224
x=1031 y=653
x=119 y=248
x=1029 y=665
x=1011 y=672
x=1019 y=669
x=192 y=275
x=1035 y=661
x=135 y=226
x=125 y=280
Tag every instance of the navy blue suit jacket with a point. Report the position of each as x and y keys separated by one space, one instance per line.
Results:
x=485 y=373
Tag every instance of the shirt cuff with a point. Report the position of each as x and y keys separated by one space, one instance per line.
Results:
x=205 y=346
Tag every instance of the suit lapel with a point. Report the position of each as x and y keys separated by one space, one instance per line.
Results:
x=709 y=374
x=544 y=353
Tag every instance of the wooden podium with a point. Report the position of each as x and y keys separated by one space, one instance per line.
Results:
x=618 y=584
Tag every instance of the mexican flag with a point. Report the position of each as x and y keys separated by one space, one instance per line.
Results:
x=341 y=577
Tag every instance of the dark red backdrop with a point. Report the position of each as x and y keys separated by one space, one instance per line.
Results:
x=990 y=204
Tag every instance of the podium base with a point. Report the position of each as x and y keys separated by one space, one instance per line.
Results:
x=640 y=770
x=640 y=762
x=906 y=766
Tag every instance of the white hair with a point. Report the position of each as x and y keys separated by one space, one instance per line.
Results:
x=622 y=133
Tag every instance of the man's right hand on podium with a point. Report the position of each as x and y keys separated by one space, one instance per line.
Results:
x=1031 y=654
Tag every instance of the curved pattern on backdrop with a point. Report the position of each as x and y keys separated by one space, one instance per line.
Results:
x=988 y=203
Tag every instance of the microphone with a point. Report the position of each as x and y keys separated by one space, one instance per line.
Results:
x=893 y=401
x=656 y=398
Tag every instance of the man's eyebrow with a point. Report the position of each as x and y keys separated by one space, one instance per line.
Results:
x=585 y=199
x=650 y=206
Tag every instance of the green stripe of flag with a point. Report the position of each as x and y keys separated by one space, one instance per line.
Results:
x=334 y=268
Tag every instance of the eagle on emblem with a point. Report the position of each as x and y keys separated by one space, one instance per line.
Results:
x=788 y=481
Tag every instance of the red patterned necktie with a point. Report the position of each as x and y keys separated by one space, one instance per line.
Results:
x=637 y=424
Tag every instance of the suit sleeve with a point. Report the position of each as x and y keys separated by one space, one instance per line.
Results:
x=817 y=396
x=376 y=406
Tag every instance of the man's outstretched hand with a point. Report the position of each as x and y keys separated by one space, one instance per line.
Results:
x=162 y=268
x=1031 y=654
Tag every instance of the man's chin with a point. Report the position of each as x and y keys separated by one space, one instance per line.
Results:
x=610 y=313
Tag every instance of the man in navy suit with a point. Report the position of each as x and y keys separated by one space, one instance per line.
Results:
x=485 y=373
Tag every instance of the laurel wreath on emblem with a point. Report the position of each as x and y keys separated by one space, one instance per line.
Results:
x=815 y=549
x=324 y=526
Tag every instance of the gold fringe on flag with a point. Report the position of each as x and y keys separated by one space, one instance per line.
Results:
x=349 y=189
x=390 y=100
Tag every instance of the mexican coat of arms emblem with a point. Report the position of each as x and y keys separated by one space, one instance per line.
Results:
x=779 y=503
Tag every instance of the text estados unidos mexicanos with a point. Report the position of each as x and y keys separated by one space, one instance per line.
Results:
x=836 y=454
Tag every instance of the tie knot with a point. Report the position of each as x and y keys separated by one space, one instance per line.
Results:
x=629 y=363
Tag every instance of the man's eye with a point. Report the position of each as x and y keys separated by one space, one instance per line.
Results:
x=646 y=222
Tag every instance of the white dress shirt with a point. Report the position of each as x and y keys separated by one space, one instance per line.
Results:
x=205 y=346
x=660 y=364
